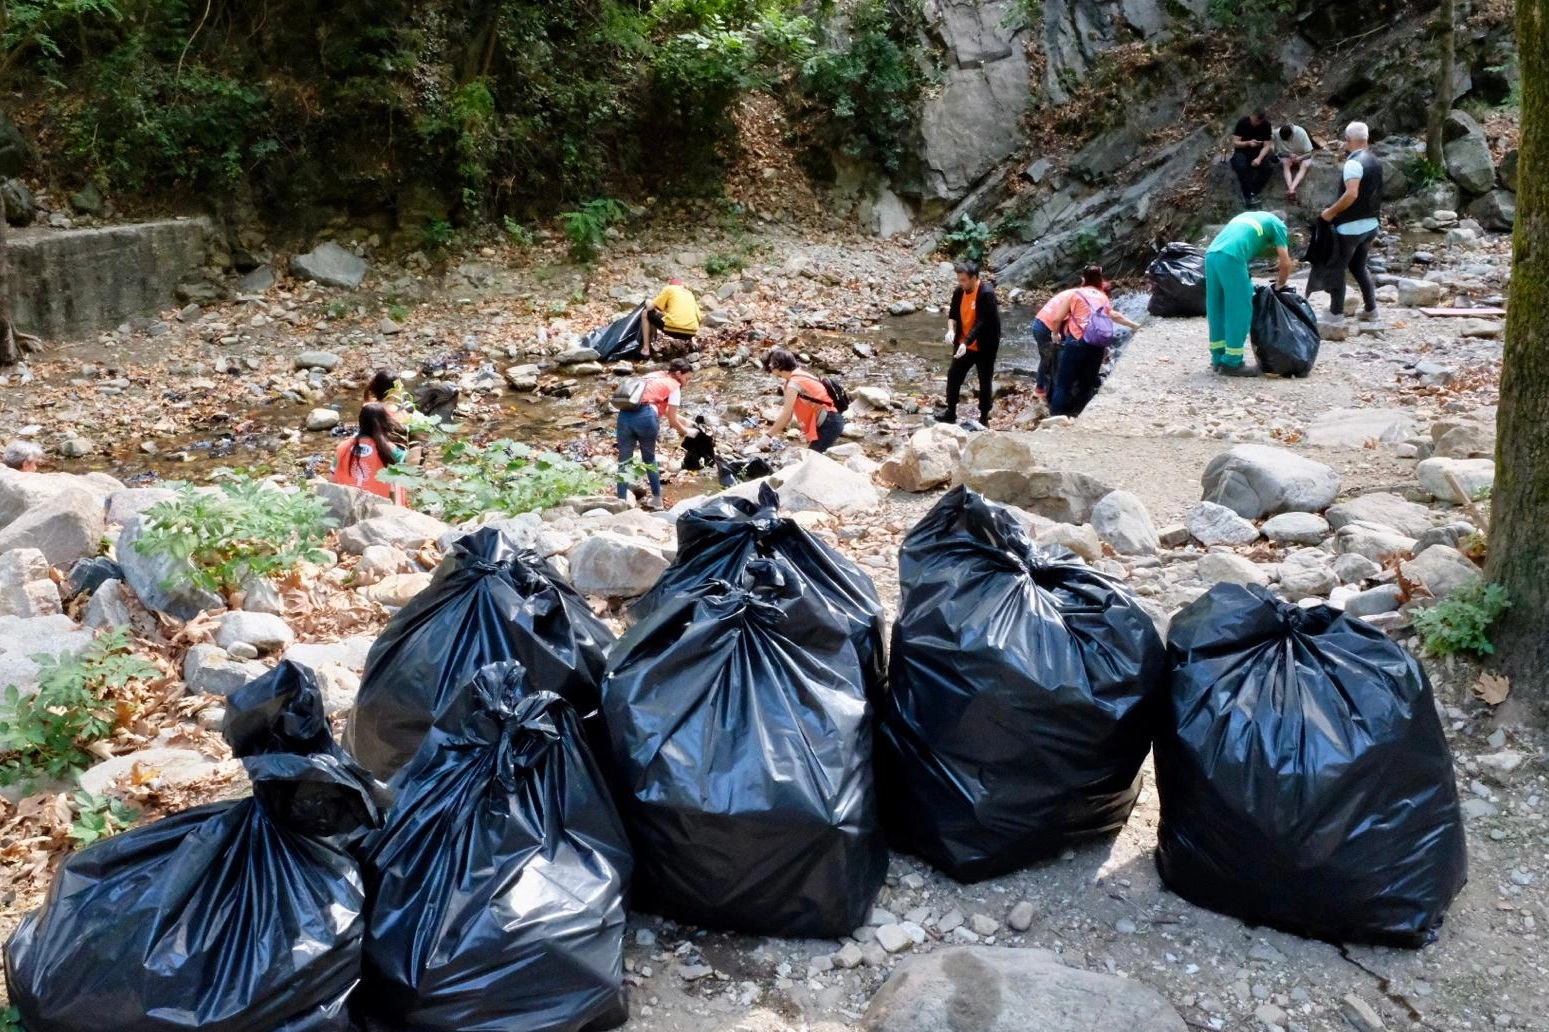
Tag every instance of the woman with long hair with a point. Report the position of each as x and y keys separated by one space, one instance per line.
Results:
x=1080 y=363
x=360 y=458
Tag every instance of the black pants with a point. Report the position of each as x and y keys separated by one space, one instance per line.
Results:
x=1076 y=380
x=957 y=373
x=1352 y=255
x=1252 y=178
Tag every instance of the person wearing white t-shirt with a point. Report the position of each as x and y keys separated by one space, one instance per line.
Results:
x=1355 y=217
x=660 y=398
x=1294 y=148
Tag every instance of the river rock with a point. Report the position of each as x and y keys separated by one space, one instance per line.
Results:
x=1306 y=574
x=330 y=265
x=1385 y=510
x=1255 y=480
x=108 y=607
x=999 y=989
x=134 y=500
x=159 y=581
x=1355 y=428
x=577 y=356
x=1495 y=211
x=1296 y=528
x=1384 y=598
x=22 y=639
x=20 y=492
x=1473 y=475
x=819 y=484
x=211 y=669
x=322 y=419
x=927 y=461
x=264 y=631
x=1377 y=543
x=1122 y=521
x=160 y=767
x=395 y=590
x=611 y=565
x=1442 y=569
x=1462 y=439
x=1452 y=535
x=1230 y=568
x=1212 y=524
x=1082 y=540
x=1353 y=569
x=350 y=505
x=379 y=561
x=26 y=589
x=1417 y=293
x=324 y=360
x=1002 y=466
x=1467 y=154
x=67 y=527
x=403 y=529
x=258 y=281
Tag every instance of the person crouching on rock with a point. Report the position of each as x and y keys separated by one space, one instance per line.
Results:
x=661 y=397
x=360 y=458
x=974 y=327
x=674 y=312
x=807 y=401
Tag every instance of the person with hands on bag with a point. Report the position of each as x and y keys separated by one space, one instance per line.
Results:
x=1088 y=332
x=642 y=407
x=807 y=400
x=1229 y=287
x=973 y=326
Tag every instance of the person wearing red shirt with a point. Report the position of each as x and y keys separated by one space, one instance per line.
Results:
x=639 y=428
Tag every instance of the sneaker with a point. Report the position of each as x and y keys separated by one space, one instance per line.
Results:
x=973 y=426
x=1241 y=369
x=941 y=415
x=651 y=504
x=1368 y=316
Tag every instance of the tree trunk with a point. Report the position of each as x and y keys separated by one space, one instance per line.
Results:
x=10 y=347
x=1445 y=86
x=1519 y=543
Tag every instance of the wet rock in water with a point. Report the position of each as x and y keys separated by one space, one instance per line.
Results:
x=77 y=447
x=1442 y=569
x=324 y=360
x=927 y=461
x=904 y=307
x=211 y=669
x=610 y=565
x=1474 y=476
x=1357 y=428
x=330 y=265
x=322 y=419
x=1230 y=568
x=264 y=631
x=403 y=529
x=998 y=989
x=108 y=607
x=1384 y=598
x=66 y=527
x=1122 y=521
x=1296 y=528
x=819 y=484
x=1256 y=480
x=1377 y=543
x=1082 y=540
x=1212 y=524
x=159 y=767
x=396 y=590
x=26 y=589
x=1383 y=509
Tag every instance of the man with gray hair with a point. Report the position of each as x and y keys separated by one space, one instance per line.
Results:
x=23 y=456
x=1355 y=219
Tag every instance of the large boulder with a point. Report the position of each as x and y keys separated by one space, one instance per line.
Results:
x=26 y=589
x=1384 y=510
x=20 y=206
x=350 y=505
x=819 y=484
x=1507 y=173
x=1124 y=524
x=67 y=527
x=927 y=461
x=1467 y=154
x=997 y=989
x=394 y=525
x=1256 y=480
x=1474 y=476
x=1001 y=465
x=24 y=639
x=1442 y=569
x=1495 y=211
x=132 y=501
x=209 y=669
x=161 y=582
x=1356 y=428
x=330 y=265
x=614 y=566
x=22 y=491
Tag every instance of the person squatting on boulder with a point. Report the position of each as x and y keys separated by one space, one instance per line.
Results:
x=1355 y=219
x=807 y=401
x=973 y=327
x=359 y=459
x=1079 y=361
x=23 y=456
x=674 y=312
x=1253 y=155
x=1229 y=288
x=1293 y=148
x=661 y=397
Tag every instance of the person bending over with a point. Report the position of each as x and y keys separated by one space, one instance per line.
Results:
x=661 y=397
x=807 y=401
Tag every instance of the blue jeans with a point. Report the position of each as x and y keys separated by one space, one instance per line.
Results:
x=639 y=428
x=828 y=432
x=1075 y=382
x=1048 y=356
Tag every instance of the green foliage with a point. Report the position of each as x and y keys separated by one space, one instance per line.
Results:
x=724 y=264
x=33 y=26
x=1422 y=172
x=47 y=734
x=500 y=477
x=969 y=240
x=98 y=817
x=437 y=236
x=1025 y=16
x=518 y=234
x=1256 y=25
x=1088 y=245
x=338 y=310
x=243 y=528
x=587 y=226
x=1461 y=621
x=397 y=313
x=11 y=1020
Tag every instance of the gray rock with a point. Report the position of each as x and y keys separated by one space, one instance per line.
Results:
x=160 y=767
x=1123 y=522
x=1413 y=293
x=1377 y=543
x=67 y=527
x=1255 y=480
x=1462 y=439
x=995 y=989
x=330 y=265
x=1451 y=535
x=108 y=607
x=1230 y=568
x=77 y=447
x=1296 y=528
x=404 y=529
x=1021 y=917
x=1212 y=524
x=161 y=583
x=614 y=566
x=134 y=500
x=264 y=631
x=1473 y=475
x=210 y=669
x=259 y=281
x=324 y=360
x=26 y=589
x=1002 y=466
x=893 y=938
x=350 y=505
x=88 y=200
x=1385 y=510
x=21 y=208
x=1384 y=598
x=577 y=356
x=1306 y=574
x=1082 y=540
x=819 y=484
x=1442 y=569
x=1359 y=1014
x=20 y=492
x=1177 y=535
x=1356 y=428
x=1467 y=154
x=1353 y=569
x=322 y=419
x=1495 y=211
x=927 y=461
x=338 y=665
x=23 y=638
x=890 y=216
x=1507 y=172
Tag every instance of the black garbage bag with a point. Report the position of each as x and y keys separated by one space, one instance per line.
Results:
x=717 y=540
x=1021 y=697
x=731 y=472
x=89 y=574
x=1177 y=278
x=742 y=746
x=1284 y=331
x=1303 y=776
x=243 y=916
x=488 y=601
x=497 y=885
x=618 y=340
x=699 y=450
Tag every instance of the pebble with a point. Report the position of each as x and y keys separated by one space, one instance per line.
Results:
x=1360 y=1014
x=950 y=922
x=1124 y=926
x=848 y=956
x=983 y=924
x=880 y=917
x=1021 y=917
x=242 y=650
x=694 y=972
x=1269 y=1014
x=1264 y=953
x=893 y=938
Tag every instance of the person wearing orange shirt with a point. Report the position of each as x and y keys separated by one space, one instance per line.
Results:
x=974 y=328
x=359 y=459
x=807 y=401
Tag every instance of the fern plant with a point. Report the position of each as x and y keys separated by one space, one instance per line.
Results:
x=1461 y=621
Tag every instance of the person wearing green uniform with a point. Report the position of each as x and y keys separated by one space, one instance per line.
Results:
x=1229 y=289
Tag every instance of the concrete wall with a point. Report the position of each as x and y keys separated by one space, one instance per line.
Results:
x=77 y=282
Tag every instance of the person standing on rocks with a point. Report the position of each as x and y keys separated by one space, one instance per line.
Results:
x=1355 y=219
x=1076 y=379
x=360 y=458
x=1252 y=155
x=807 y=401
x=973 y=327
x=1229 y=287
x=675 y=312
x=661 y=397
x=1294 y=149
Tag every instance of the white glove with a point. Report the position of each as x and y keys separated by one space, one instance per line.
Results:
x=692 y=431
x=950 y=336
x=961 y=351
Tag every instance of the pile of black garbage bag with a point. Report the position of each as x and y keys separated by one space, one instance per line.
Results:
x=1177 y=278
x=1284 y=332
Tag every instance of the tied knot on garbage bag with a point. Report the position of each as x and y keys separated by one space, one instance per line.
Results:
x=245 y=916
x=1304 y=779
x=498 y=883
x=1022 y=692
x=741 y=742
x=489 y=601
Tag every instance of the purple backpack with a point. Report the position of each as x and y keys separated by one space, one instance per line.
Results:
x=1100 y=329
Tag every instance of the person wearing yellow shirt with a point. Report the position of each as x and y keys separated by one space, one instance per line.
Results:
x=674 y=312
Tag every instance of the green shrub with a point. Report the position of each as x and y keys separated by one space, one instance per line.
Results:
x=587 y=226
x=518 y=234
x=47 y=734
x=1421 y=171
x=724 y=264
x=243 y=528
x=500 y=477
x=969 y=240
x=1461 y=621
x=397 y=313
x=437 y=236
x=98 y=817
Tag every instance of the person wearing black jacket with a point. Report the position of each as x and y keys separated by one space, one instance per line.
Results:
x=1355 y=216
x=974 y=329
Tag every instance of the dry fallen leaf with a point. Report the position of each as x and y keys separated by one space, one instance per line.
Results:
x=1492 y=689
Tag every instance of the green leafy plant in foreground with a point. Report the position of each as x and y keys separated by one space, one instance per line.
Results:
x=242 y=528
x=11 y=1020
x=47 y=734
x=98 y=817
x=1461 y=621
x=500 y=477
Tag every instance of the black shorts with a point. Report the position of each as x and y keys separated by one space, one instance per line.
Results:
x=656 y=319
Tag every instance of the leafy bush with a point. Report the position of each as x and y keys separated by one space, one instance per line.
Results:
x=98 y=817
x=587 y=226
x=437 y=236
x=724 y=264
x=47 y=734
x=1256 y=25
x=500 y=477
x=1422 y=172
x=969 y=240
x=1461 y=621
x=518 y=234
x=242 y=528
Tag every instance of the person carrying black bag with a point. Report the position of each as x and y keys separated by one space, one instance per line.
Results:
x=974 y=328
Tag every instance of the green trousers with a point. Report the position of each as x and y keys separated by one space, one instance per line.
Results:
x=1228 y=307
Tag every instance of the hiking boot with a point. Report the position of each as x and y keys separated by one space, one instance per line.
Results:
x=941 y=415
x=1241 y=369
